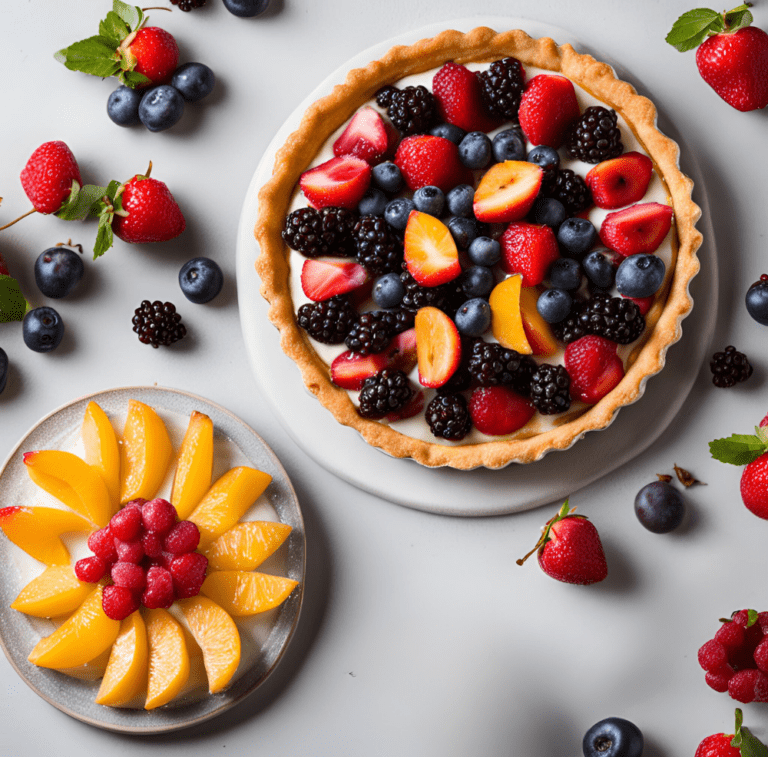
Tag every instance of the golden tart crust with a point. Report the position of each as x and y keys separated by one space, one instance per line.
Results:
x=480 y=45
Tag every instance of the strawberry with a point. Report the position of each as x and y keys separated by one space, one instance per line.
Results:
x=459 y=99
x=322 y=279
x=497 y=410
x=438 y=346
x=732 y=56
x=365 y=137
x=402 y=351
x=528 y=249
x=425 y=160
x=152 y=52
x=643 y=303
x=739 y=744
x=754 y=486
x=594 y=367
x=350 y=369
x=414 y=407
x=50 y=175
x=431 y=255
x=620 y=181
x=636 y=229
x=339 y=182
x=569 y=549
x=547 y=108
x=507 y=191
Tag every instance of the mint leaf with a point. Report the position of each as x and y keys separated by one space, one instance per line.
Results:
x=692 y=28
x=79 y=203
x=113 y=28
x=105 y=210
x=737 y=449
x=95 y=55
x=132 y=79
x=104 y=236
x=751 y=746
x=131 y=14
x=13 y=306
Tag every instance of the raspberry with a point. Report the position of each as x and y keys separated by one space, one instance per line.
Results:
x=730 y=635
x=90 y=569
x=118 y=602
x=126 y=523
x=718 y=679
x=183 y=537
x=129 y=575
x=712 y=656
x=159 y=591
x=158 y=515
x=102 y=544
x=188 y=573
x=741 y=686
x=129 y=551
x=152 y=543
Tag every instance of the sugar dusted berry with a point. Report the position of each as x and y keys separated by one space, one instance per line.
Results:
x=129 y=551
x=183 y=537
x=128 y=574
x=158 y=515
x=102 y=544
x=126 y=523
x=118 y=602
x=188 y=573
x=159 y=591
x=90 y=569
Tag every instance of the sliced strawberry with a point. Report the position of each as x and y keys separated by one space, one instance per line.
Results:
x=620 y=181
x=323 y=279
x=414 y=407
x=438 y=345
x=350 y=369
x=547 y=108
x=402 y=351
x=425 y=161
x=365 y=137
x=339 y=181
x=459 y=99
x=529 y=249
x=643 y=303
x=497 y=410
x=507 y=191
x=637 y=229
x=594 y=367
x=431 y=255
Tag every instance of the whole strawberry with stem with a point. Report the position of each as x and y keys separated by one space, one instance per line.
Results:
x=741 y=743
x=732 y=55
x=570 y=550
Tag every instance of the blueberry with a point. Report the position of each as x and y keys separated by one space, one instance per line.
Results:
x=613 y=737
x=246 y=8
x=554 y=305
x=3 y=369
x=448 y=131
x=194 y=80
x=372 y=203
x=463 y=230
x=640 y=275
x=473 y=318
x=387 y=177
x=659 y=507
x=460 y=200
x=58 y=271
x=161 y=107
x=42 y=329
x=477 y=281
x=388 y=290
x=599 y=269
x=548 y=211
x=577 y=236
x=565 y=273
x=508 y=145
x=757 y=300
x=484 y=251
x=201 y=280
x=475 y=150
x=429 y=200
x=397 y=211
x=123 y=106
x=544 y=157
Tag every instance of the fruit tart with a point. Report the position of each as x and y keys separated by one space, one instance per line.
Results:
x=478 y=248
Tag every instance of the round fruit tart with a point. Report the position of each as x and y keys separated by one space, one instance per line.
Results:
x=478 y=248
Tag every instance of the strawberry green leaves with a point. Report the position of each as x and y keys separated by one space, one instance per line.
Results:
x=693 y=27
x=740 y=449
x=80 y=201
x=13 y=306
x=105 y=209
x=745 y=742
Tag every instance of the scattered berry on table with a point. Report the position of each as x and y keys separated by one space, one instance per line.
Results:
x=576 y=236
x=554 y=305
x=757 y=300
x=599 y=269
x=188 y=5
x=372 y=203
x=388 y=290
x=4 y=367
x=477 y=281
x=738 y=744
x=448 y=131
x=371 y=333
x=383 y=393
x=161 y=107
x=397 y=211
x=550 y=389
x=412 y=110
x=460 y=199
x=42 y=329
x=48 y=175
x=565 y=273
x=484 y=251
x=508 y=145
x=429 y=200
x=201 y=279
x=473 y=318
x=329 y=321
x=194 y=80
x=729 y=367
x=157 y=323
x=316 y=233
x=387 y=177
x=502 y=85
x=58 y=270
x=659 y=507
x=640 y=275
x=570 y=189
x=475 y=150
x=123 y=106
x=596 y=136
x=548 y=211
x=378 y=247
x=448 y=417
x=613 y=737
x=246 y=8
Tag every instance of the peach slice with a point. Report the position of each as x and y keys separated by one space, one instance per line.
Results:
x=506 y=319
x=101 y=449
x=92 y=670
x=218 y=637
x=56 y=591
x=36 y=530
x=71 y=480
x=430 y=251
x=243 y=593
x=246 y=546
x=126 y=671
x=227 y=501
x=168 y=663
x=146 y=453
x=193 y=469
x=537 y=330
x=507 y=191
x=438 y=346
x=80 y=639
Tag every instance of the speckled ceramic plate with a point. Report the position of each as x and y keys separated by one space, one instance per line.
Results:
x=265 y=637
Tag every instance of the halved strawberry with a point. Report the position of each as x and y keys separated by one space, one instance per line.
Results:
x=338 y=181
x=431 y=255
x=529 y=249
x=414 y=407
x=425 y=161
x=402 y=351
x=459 y=99
x=350 y=369
x=639 y=228
x=507 y=191
x=497 y=410
x=547 y=108
x=594 y=367
x=365 y=137
x=438 y=346
x=323 y=279
x=620 y=181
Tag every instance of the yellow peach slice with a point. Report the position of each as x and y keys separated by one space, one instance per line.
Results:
x=243 y=593
x=92 y=670
x=80 y=639
x=70 y=479
x=218 y=637
x=56 y=591
x=195 y=464
x=537 y=330
x=37 y=530
x=506 y=320
x=246 y=546
x=145 y=454
x=101 y=449
x=227 y=501
x=126 y=671
x=168 y=658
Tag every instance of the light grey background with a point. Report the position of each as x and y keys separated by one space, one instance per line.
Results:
x=420 y=635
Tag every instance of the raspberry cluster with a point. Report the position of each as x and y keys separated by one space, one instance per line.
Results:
x=148 y=554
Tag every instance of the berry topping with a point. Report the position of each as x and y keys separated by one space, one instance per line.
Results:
x=501 y=86
x=386 y=392
x=473 y=318
x=371 y=334
x=340 y=182
x=554 y=305
x=594 y=367
x=729 y=367
x=412 y=110
x=329 y=321
x=126 y=523
x=448 y=417
x=550 y=389
x=316 y=233
x=639 y=228
x=459 y=99
x=429 y=200
x=640 y=276
x=387 y=177
x=614 y=318
x=129 y=551
x=378 y=247
x=438 y=346
x=475 y=150
x=507 y=191
x=158 y=323
x=570 y=189
x=350 y=369
x=102 y=544
x=431 y=256
x=595 y=136
x=365 y=137
x=158 y=515
x=497 y=410
x=159 y=591
x=188 y=574
x=548 y=107
x=50 y=175
x=425 y=160
x=577 y=236
x=528 y=249
x=118 y=602
x=91 y=569
x=621 y=181
x=128 y=574
x=183 y=537
x=490 y=364
x=322 y=279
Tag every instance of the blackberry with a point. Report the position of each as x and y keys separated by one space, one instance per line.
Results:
x=327 y=231
x=448 y=417
x=412 y=110
x=460 y=381
x=615 y=318
x=329 y=321
x=491 y=364
x=417 y=296
x=158 y=323
x=549 y=389
x=398 y=319
x=595 y=137
x=501 y=87
x=385 y=392
x=372 y=333
x=188 y=5
x=384 y=95
x=378 y=248
x=570 y=189
x=729 y=367
x=570 y=328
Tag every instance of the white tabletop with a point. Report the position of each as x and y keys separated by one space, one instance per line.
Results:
x=419 y=635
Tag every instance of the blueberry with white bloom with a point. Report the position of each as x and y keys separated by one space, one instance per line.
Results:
x=429 y=200
x=473 y=318
x=460 y=201
x=397 y=211
x=577 y=236
x=640 y=275
x=554 y=305
x=484 y=251
x=388 y=291
x=387 y=177
x=508 y=145
x=475 y=150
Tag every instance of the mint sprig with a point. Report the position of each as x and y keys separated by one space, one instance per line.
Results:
x=745 y=742
x=105 y=209
x=13 y=305
x=740 y=449
x=693 y=27
x=80 y=201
